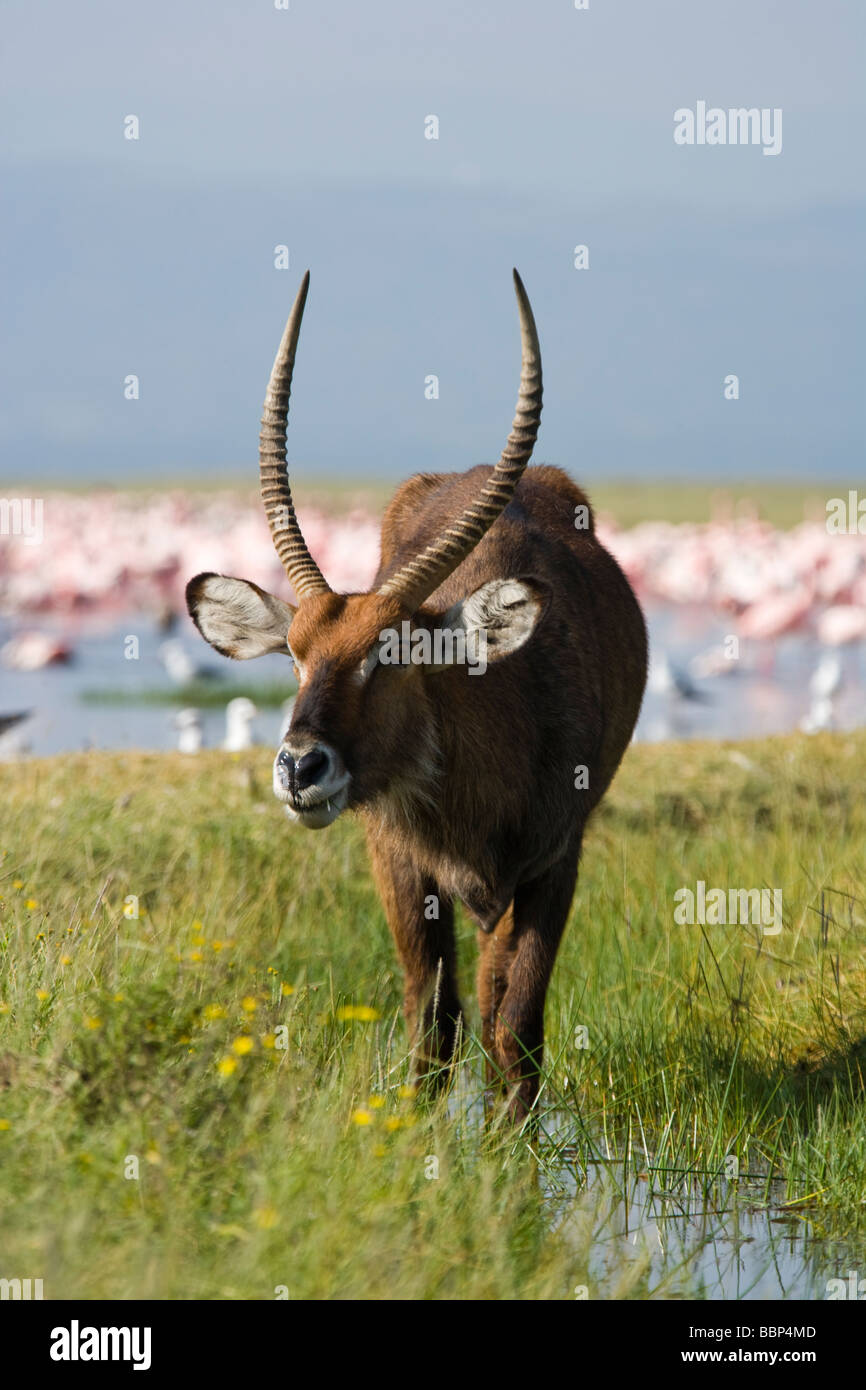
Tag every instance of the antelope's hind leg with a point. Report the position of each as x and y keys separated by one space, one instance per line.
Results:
x=421 y=920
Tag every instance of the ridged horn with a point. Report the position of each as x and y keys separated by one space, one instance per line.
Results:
x=305 y=575
x=415 y=581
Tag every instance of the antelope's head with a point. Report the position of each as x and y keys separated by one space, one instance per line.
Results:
x=352 y=719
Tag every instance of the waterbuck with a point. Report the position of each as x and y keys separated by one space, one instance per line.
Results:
x=474 y=774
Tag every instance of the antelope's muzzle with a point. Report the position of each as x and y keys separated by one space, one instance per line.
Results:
x=312 y=783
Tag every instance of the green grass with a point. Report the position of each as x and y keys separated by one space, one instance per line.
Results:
x=628 y=500
x=781 y=504
x=202 y=694
x=115 y=1032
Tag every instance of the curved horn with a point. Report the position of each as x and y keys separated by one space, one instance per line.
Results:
x=304 y=573
x=415 y=581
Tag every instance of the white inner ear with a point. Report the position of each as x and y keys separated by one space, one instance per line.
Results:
x=502 y=613
x=240 y=619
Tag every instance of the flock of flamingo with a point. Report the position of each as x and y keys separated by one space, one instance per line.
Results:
x=770 y=582
x=115 y=553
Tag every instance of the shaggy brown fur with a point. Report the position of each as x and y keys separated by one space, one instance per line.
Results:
x=466 y=784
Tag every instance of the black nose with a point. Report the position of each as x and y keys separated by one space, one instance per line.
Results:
x=309 y=768
x=306 y=772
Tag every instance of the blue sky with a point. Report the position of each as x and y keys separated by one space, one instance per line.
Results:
x=306 y=128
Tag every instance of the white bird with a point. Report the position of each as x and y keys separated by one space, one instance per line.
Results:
x=820 y=719
x=667 y=679
x=31 y=651
x=190 y=737
x=180 y=665
x=240 y=714
x=715 y=661
x=177 y=661
x=13 y=742
x=826 y=678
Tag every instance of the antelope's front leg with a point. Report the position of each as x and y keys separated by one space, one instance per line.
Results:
x=422 y=924
x=540 y=912
x=495 y=958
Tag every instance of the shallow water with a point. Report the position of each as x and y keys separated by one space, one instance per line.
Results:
x=62 y=722
x=766 y=693
x=654 y=1232
x=738 y=1244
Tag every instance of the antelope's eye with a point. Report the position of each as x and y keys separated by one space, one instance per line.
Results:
x=366 y=667
x=296 y=665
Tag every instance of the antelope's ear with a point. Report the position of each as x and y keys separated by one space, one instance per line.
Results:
x=500 y=616
x=237 y=617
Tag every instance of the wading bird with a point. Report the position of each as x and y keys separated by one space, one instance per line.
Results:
x=180 y=665
x=474 y=778
x=240 y=715
x=190 y=738
x=13 y=740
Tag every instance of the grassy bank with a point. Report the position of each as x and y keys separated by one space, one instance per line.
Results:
x=210 y=1099
x=627 y=500
x=632 y=500
x=201 y=694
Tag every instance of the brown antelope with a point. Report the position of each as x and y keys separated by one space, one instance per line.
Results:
x=474 y=780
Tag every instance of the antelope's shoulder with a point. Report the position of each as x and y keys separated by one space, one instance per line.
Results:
x=552 y=499
x=422 y=508
x=427 y=503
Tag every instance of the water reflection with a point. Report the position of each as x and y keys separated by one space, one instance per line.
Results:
x=734 y=1244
